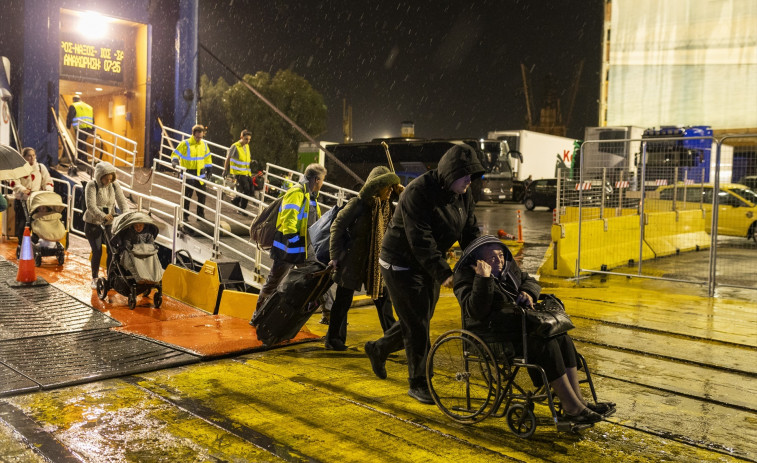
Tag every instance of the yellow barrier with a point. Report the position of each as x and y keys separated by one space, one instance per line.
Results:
x=198 y=289
x=589 y=213
x=605 y=243
x=237 y=304
x=671 y=232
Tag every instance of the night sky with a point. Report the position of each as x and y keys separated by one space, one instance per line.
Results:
x=453 y=68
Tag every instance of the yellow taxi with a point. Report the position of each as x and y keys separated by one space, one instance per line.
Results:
x=737 y=205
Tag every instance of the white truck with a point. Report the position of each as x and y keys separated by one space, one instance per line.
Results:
x=620 y=154
x=541 y=155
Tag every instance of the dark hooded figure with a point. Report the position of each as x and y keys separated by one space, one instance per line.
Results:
x=434 y=211
x=490 y=286
x=354 y=247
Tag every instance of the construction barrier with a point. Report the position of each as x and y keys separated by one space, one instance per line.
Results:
x=570 y=214
x=198 y=289
x=669 y=233
x=605 y=243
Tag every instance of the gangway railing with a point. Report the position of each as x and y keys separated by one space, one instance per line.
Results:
x=104 y=145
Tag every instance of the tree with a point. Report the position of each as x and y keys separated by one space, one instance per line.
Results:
x=212 y=110
x=273 y=139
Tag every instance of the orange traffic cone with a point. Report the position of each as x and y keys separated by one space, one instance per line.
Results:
x=26 y=271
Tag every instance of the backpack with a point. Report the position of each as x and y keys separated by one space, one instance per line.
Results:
x=320 y=234
x=258 y=182
x=263 y=228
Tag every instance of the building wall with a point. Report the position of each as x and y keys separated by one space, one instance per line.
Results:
x=36 y=68
x=682 y=62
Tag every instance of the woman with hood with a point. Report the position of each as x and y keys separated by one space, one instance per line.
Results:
x=435 y=211
x=354 y=247
x=490 y=286
x=101 y=196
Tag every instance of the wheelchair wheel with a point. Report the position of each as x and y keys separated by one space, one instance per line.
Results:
x=102 y=288
x=463 y=377
x=521 y=420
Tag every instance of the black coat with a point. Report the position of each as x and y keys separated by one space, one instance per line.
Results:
x=430 y=218
x=488 y=304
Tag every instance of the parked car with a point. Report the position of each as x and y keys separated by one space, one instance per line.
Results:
x=750 y=181
x=542 y=192
x=737 y=205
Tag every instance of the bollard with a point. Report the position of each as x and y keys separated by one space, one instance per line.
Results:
x=26 y=271
x=520 y=229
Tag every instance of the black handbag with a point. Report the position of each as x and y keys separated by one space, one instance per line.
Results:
x=548 y=319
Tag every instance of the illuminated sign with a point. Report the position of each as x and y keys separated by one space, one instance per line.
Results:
x=100 y=60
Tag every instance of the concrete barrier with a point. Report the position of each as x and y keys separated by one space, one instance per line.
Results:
x=605 y=243
x=669 y=233
x=198 y=289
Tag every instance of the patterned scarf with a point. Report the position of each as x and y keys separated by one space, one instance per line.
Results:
x=380 y=215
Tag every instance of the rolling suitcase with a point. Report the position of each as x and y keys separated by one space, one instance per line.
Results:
x=287 y=310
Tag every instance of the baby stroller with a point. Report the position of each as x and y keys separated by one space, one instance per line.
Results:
x=135 y=267
x=43 y=214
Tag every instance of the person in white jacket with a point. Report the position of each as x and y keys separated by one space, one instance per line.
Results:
x=38 y=180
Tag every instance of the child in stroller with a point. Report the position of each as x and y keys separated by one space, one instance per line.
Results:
x=135 y=267
x=44 y=211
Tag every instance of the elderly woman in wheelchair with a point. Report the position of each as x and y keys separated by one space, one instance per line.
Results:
x=494 y=294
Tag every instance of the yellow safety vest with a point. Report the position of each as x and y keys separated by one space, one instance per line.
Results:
x=84 y=115
x=193 y=155
x=240 y=160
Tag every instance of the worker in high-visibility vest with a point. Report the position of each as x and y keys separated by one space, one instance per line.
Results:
x=238 y=164
x=82 y=117
x=193 y=155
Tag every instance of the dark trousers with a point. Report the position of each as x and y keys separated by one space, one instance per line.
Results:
x=192 y=184
x=20 y=219
x=279 y=270
x=244 y=186
x=81 y=144
x=414 y=295
x=554 y=355
x=343 y=301
x=95 y=237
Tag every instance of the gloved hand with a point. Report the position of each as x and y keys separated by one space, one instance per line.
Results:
x=208 y=171
x=225 y=174
x=175 y=162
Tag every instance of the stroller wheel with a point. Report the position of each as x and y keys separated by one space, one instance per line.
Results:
x=132 y=299
x=18 y=251
x=37 y=259
x=102 y=288
x=157 y=300
x=61 y=257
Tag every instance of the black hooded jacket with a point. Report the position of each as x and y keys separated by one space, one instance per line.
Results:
x=430 y=217
x=488 y=304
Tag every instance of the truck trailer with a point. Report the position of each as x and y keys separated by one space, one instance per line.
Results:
x=535 y=155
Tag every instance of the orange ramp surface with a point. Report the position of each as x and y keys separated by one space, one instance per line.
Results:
x=174 y=323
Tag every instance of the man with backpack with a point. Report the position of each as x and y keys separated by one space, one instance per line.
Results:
x=299 y=210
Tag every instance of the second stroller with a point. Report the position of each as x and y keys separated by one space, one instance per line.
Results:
x=135 y=268
x=43 y=215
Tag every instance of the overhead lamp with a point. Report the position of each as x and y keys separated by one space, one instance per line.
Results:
x=98 y=89
x=93 y=24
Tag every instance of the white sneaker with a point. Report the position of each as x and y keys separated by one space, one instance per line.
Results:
x=93 y=285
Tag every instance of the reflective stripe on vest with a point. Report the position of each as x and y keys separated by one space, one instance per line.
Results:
x=240 y=160
x=84 y=115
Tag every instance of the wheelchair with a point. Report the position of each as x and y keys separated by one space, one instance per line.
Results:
x=470 y=380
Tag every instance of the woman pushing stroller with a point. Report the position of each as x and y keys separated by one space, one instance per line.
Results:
x=101 y=195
